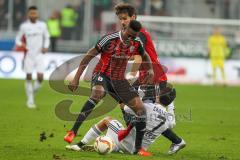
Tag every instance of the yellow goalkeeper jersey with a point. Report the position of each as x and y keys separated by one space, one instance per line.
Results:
x=217 y=45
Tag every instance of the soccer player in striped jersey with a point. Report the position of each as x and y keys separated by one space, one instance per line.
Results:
x=116 y=49
x=126 y=13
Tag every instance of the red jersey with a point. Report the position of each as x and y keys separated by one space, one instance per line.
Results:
x=115 y=54
x=97 y=68
x=159 y=74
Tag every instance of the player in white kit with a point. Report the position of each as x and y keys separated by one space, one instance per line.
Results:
x=36 y=44
x=158 y=121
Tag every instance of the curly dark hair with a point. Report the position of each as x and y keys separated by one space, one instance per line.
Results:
x=125 y=8
x=135 y=25
x=32 y=8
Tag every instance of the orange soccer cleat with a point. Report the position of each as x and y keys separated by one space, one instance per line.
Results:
x=144 y=153
x=69 y=136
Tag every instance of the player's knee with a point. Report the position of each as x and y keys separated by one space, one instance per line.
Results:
x=29 y=77
x=105 y=121
x=40 y=77
x=137 y=106
x=103 y=124
x=136 y=103
x=97 y=93
x=122 y=105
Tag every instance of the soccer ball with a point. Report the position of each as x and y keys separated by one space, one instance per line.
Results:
x=103 y=145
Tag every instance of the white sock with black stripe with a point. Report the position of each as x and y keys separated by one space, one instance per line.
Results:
x=91 y=135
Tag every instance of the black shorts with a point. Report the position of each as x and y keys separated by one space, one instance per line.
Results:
x=120 y=90
x=124 y=90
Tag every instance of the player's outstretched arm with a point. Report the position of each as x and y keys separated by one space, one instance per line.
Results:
x=46 y=37
x=131 y=76
x=19 y=36
x=136 y=64
x=83 y=64
x=149 y=78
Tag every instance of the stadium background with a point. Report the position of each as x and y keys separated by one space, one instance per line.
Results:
x=207 y=115
x=180 y=30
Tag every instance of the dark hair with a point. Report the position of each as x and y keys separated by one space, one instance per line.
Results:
x=32 y=8
x=167 y=96
x=125 y=8
x=135 y=25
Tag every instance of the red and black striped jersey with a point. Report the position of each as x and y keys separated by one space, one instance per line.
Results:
x=159 y=73
x=115 y=54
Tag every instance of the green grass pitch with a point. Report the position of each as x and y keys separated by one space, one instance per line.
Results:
x=208 y=118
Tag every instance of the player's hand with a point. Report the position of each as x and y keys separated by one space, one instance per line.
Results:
x=73 y=85
x=24 y=45
x=131 y=77
x=149 y=77
x=134 y=74
x=44 y=50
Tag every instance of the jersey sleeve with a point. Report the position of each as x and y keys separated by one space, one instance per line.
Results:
x=140 y=49
x=101 y=43
x=19 y=36
x=143 y=38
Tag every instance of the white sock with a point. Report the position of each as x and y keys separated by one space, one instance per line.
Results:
x=91 y=135
x=37 y=85
x=29 y=91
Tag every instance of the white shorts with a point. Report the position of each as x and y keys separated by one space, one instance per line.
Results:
x=127 y=144
x=113 y=128
x=34 y=63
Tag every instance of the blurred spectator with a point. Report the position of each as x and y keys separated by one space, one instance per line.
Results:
x=68 y=22
x=211 y=4
x=158 y=7
x=235 y=9
x=54 y=29
x=226 y=9
x=19 y=9
x=79 y=8
x=139 y=5
x=3 y=14
x=97 y=8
